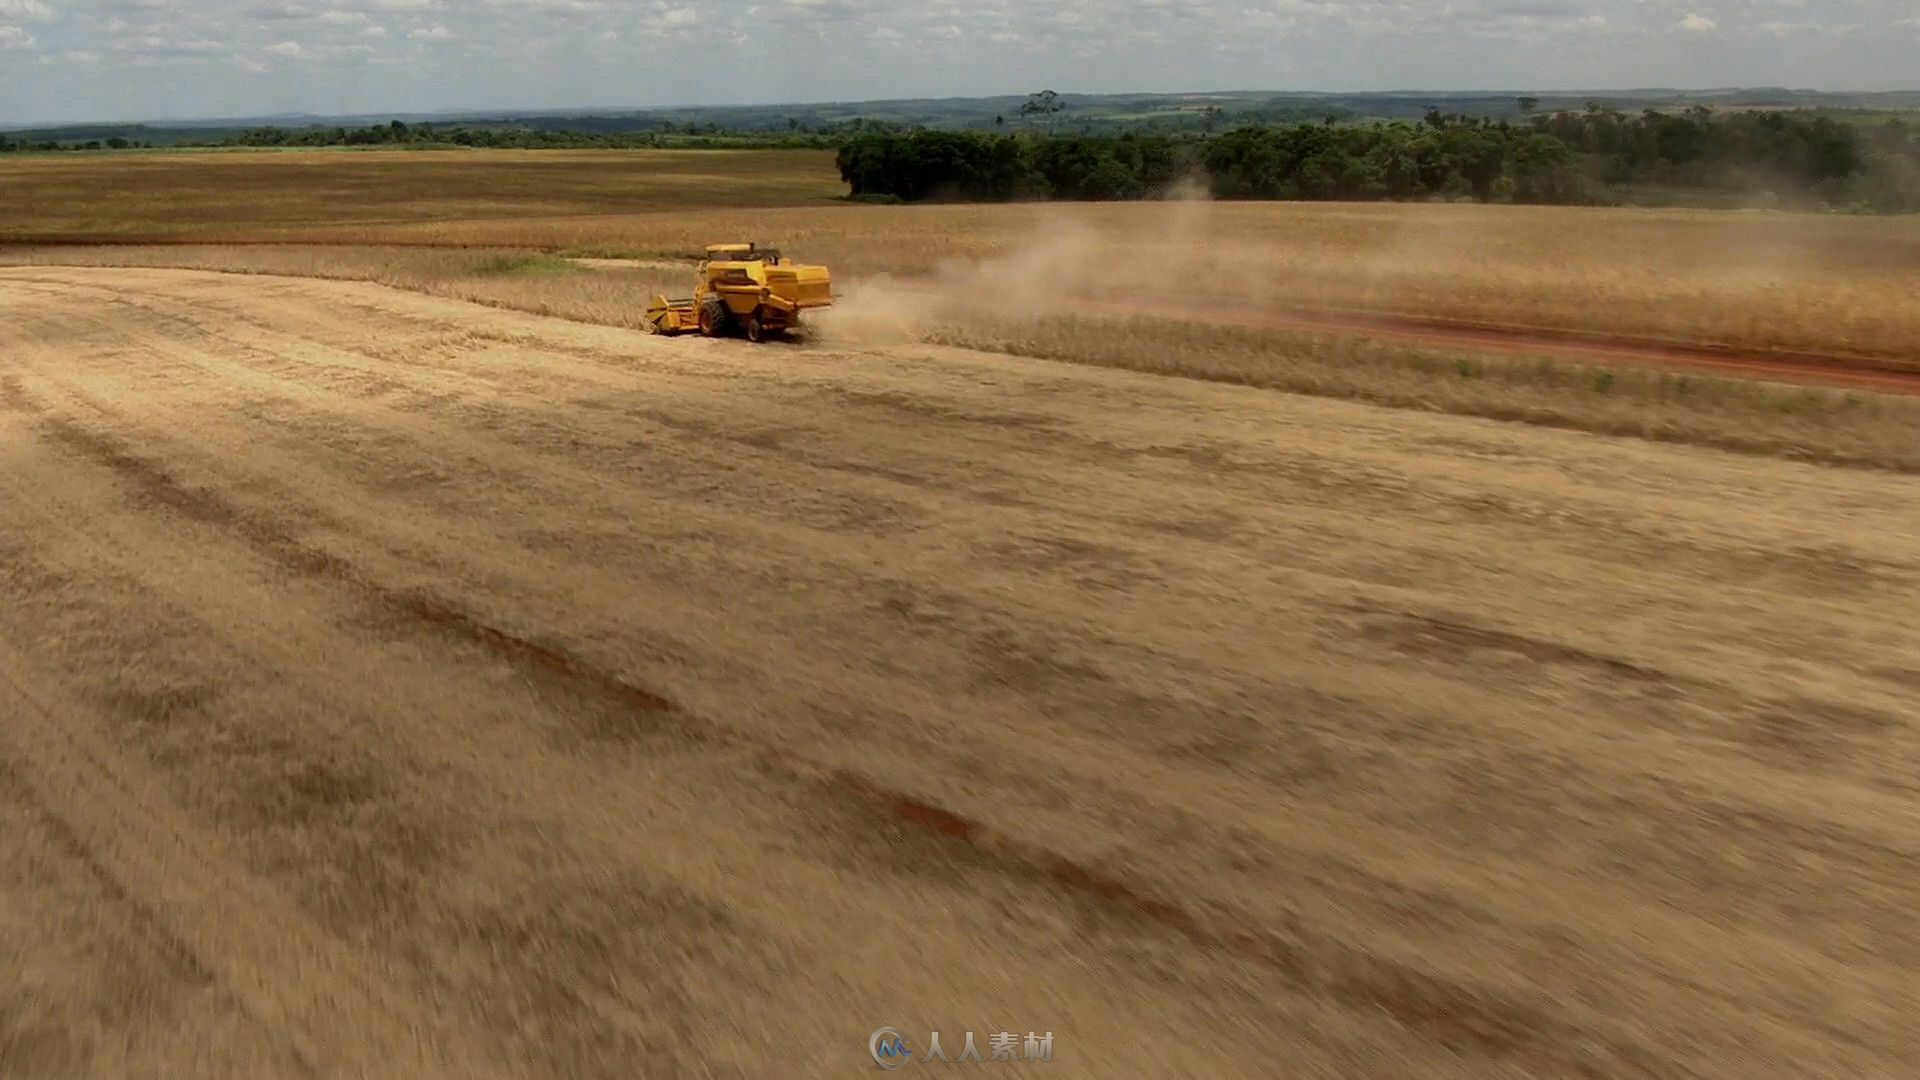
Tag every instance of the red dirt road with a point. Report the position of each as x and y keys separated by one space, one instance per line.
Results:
x=1840 y=371
x=1886 y=376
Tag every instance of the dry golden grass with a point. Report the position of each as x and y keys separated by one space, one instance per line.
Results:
x=390 y=687
x=1816 y=283
x=1842 y=428
x=215 y=195
x=522 y=280
x=1831 y=426
x=1824 y=284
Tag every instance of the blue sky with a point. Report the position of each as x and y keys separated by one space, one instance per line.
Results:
x=138 y=59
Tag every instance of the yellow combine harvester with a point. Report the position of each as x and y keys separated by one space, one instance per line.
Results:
x=752 y=290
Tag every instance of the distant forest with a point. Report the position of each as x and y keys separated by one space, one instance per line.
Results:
x=1857 y=154
x=1598 y=156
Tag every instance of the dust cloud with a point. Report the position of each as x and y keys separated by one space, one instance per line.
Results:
x=1072 y=256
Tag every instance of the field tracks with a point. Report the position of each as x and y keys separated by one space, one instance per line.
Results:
x=304 y=986
x=1460 y=1016
x=449 y=629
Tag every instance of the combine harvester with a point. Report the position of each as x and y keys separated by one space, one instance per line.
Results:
x=746 y=289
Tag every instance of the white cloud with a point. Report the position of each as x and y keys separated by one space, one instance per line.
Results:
x=80 y=56
x=165 y=45
x=551 y=8
x=368 y=56
x=279 y=12
x=26 y=10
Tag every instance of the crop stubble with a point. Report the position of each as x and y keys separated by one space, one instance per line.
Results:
x=1759 y=281
x=610 y=703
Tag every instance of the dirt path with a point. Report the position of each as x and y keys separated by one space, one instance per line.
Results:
x=1880 y=375
x=394 y=686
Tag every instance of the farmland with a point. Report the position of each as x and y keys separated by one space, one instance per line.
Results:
x=1150 y=624
x=1820 y=283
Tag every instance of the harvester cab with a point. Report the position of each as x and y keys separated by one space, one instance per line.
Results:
x=747 y=289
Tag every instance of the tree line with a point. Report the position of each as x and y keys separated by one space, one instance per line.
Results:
x=398 y=133
x=1597 y=157
x=24 y=145
x=1792 y=153
x=1302 y=161
x=537 y=136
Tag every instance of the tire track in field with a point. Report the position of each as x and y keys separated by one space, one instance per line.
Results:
x=1324 y=972
x=1539 y=649
x=1538 y=654
x=1460 y=1016
x=293 y=979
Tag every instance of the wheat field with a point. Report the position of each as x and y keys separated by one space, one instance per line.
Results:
x=409 y=668
x=396 y=686
x=1825 y=284
x=1805 y=423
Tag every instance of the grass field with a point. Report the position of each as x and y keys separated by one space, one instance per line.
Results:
x=407 y=667
x=394 y=685
x=1818 y=283
x=1834 y=426
x=224 y=195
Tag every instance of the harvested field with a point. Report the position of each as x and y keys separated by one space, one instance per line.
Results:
x=392 y=685
x=1836 y=410
x=1809 y=283
x=177 y=195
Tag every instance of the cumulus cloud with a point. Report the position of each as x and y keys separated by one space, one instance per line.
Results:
x=648 y=52
x=163 y=45
x=25 y=11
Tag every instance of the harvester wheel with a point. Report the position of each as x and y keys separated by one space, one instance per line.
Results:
x=756 y=330
x=713 y=317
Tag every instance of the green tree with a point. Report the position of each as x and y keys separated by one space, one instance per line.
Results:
x=1045 y=105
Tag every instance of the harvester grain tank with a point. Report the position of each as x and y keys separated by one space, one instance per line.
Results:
x=743 y=288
